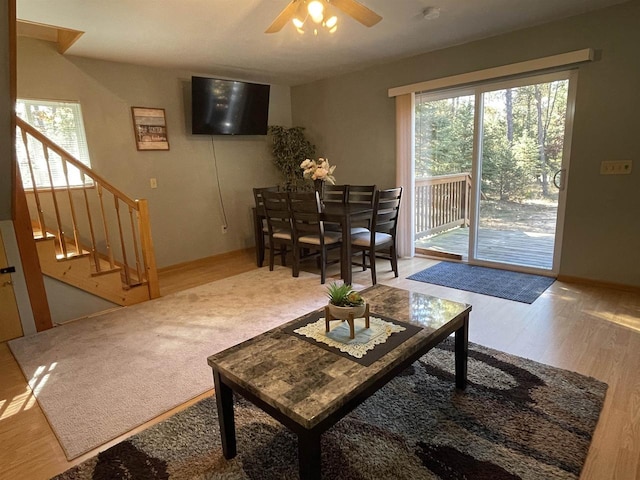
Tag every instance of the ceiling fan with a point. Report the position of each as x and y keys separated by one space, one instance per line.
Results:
x=298 y=10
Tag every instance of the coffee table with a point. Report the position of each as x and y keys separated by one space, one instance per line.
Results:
x=308 y=388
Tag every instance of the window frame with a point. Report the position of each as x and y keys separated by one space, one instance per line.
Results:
x=79 y=139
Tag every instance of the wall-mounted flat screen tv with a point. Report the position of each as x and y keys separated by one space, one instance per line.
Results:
x=228 y=107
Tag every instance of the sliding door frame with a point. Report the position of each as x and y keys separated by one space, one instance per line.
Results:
x=478 y=90
x=572 y=77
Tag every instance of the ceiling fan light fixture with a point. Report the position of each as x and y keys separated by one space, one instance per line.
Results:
x=316 y=11
x=321 y=13
x=331 y=23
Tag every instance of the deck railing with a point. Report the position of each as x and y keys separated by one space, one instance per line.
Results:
x=442 y=203
x=86 y=214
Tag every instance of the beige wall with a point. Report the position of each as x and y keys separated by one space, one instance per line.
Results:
x=352 y=121
x=6 y=224
x=5 y=116
x=185 y=209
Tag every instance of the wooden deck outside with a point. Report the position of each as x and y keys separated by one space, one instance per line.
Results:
x=503 y=246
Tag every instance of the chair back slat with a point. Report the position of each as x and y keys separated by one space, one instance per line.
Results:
x=386 y=209
x=361 y=194
x=262 y=231
x=335 y=194
x=257 y=196
x=305 y=213
x=276 y=206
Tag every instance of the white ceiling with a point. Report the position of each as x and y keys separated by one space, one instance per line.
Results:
x=225 y=37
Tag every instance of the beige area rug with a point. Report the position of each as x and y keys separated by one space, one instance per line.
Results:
x=98 y=378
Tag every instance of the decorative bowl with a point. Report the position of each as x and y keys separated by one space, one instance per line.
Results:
x=342 y=313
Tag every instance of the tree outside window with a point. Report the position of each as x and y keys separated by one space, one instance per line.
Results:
x=62 y=123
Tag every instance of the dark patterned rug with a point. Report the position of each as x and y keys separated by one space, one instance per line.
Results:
x=517 y=286
x=518 y=419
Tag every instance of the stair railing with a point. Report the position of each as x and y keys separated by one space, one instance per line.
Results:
x=89 y=217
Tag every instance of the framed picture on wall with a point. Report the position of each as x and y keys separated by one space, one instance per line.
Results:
x=150 y=128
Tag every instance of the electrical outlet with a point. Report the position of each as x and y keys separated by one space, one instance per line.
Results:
x=616 y=167
x=153 y=182
x=225 y=228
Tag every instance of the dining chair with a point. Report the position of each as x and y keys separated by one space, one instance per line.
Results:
x=334 y=194
x=279 y=224
x=380 y=240
x=262 y=230
x=309 y=234
x=364 y=195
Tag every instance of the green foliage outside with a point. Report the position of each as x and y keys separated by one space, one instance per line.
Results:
x=61 y=122
x=522 y=140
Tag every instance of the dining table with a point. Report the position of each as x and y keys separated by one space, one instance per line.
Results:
x=344 y=214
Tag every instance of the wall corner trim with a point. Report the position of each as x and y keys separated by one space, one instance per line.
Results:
x=529 y=66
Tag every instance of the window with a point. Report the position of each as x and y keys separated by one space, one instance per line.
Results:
x=62 y=123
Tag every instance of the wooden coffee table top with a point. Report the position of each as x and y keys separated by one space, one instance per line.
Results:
x=308 y=383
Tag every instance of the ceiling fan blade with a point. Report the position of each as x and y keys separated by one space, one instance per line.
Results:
x=358 y=11
x=282 y=19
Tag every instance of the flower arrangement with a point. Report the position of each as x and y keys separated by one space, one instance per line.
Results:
x=342 y=295
x=318 y=170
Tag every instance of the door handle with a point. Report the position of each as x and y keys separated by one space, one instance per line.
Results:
x=560 y=173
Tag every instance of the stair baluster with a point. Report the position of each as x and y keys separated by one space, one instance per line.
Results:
x=72 y=209
x=134 y=235
x=92 y=235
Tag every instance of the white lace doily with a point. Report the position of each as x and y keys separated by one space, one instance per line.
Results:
x=365 y=338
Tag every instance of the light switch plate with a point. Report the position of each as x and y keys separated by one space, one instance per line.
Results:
x=616 y=167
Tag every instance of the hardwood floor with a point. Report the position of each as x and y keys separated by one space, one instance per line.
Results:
x=205 y=270
x=592 y=330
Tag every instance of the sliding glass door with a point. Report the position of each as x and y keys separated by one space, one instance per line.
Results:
x=443 y=162
x=491 y=165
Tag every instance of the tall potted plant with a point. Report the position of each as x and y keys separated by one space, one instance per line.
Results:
x=289 y=149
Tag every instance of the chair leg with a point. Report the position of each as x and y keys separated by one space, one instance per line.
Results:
x=364 y=263
x=323 y=265
x=394 y=260
x=372 y=261
x=283 y=255
x=296 y=262
x=271 y=257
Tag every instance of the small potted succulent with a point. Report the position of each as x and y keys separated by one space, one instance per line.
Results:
x=344 y=300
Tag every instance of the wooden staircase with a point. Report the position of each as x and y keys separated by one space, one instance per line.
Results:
x=91 y=235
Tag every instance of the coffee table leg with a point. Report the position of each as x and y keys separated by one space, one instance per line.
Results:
x=309 y=456
x=224 y=401
x=462 y=352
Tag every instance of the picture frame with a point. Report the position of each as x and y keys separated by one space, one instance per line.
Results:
x=150 y=128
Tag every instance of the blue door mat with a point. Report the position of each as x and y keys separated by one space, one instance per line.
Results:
x=516 y=286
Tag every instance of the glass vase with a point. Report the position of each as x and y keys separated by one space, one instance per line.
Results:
x=318 y=186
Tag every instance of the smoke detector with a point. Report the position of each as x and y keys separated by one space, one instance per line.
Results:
x=431 y=13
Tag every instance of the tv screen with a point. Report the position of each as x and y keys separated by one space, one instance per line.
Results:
x=228 y=107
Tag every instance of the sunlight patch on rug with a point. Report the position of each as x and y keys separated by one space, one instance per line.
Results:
x=116 y=371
